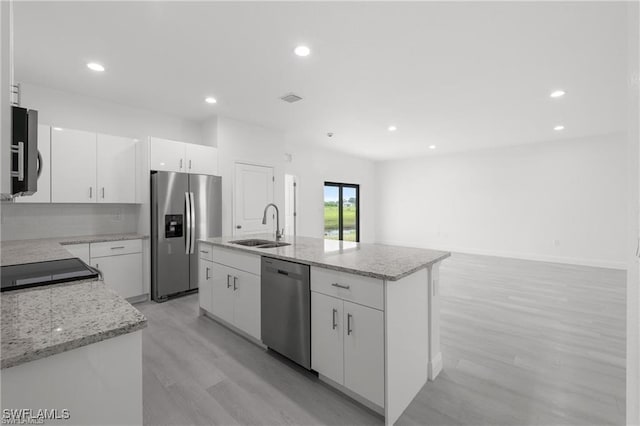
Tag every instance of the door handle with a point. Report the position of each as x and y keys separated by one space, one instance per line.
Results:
x=90 y=192
x=204 y=251
x=334 y=322
x=193 y=223
x=181 y=164
x=116 y=248
x=103 y=192
x=638 y=248
x=187 y=208
x=228 y=283
x=189 y=164
x=206 y=274
x=235 y=283
x=349 y=330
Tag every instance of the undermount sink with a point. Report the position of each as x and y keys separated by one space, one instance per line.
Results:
x=257 y=243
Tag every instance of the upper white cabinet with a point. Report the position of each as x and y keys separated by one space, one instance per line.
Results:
x=200 y=159
x=91 y=168
x=116 y=169
x=43 y=194
x=173 y=156
x=73 y=166
x=166 y=155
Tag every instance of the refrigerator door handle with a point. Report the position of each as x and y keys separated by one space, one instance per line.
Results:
x=187 y=202
x=193 y=223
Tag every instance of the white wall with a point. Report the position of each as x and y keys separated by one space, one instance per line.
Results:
x=29 y=221
x=561 y=201
x=313 y=166
x=633 y=218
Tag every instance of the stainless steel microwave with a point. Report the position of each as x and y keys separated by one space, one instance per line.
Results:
x=25 y=158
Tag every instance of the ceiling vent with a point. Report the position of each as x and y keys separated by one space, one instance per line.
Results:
x=291 y=98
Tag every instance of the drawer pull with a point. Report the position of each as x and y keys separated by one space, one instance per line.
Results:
x=116 y=248
x=206 y=274
x=228 y=281
x=235 y=283
x=334 y=322
x=346 y=287
x=204 y=251
x=349 y=330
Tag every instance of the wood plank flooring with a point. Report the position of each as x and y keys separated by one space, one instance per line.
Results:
x=524 y=343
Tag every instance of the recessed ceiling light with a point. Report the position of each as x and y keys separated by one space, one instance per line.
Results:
x=392 y=128
x=94 y=66
x=557 y=93
x=210 y=100
x=432 y=147
x=302 y=51
x=57 y=128
x=558 y=127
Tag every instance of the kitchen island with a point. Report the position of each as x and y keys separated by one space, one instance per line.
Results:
x=374 y=310
x=73 y=347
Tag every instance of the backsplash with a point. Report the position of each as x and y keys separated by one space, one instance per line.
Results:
x=29 y=221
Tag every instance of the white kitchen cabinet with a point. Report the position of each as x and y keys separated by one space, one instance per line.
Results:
x=166 y=155
x=222 y=293
x=246 y=314
x=120 y=263
x=201 y=159
x=174 y=156
x=116 y=169
x=43 y=194
x=326 y=336
x=364 y=351
x=347 y=338
x=81 y=251
x=235 y=293
x=91 y=168
x=73 y=166
x=205 y=284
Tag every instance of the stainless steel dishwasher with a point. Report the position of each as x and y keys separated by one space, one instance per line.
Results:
x=286 y=309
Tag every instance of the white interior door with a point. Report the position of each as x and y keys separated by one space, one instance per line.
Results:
x=253 y=190
x=116 y=169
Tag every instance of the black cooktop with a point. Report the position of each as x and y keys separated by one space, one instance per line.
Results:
x=37 y=274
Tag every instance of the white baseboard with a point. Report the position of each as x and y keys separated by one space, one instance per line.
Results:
x=597 y=263
x=434 y=367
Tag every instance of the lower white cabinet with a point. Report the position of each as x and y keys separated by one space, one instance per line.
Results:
x=347 y=345
x=236 y=298
x=205 y=284
x=120 y=263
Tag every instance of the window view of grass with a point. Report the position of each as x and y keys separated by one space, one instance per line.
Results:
x=332 y=214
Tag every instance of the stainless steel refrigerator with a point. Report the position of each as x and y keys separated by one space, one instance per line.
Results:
x=184 y=208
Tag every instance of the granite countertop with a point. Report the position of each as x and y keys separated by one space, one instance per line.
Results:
x=43 y=321
x=18 y=252
x=380 y=261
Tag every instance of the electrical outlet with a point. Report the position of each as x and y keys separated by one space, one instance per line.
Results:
x=556 y=243
x=117 y=215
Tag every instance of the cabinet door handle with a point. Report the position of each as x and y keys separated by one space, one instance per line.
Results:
x=235 y=283
x=349 y=330
x=181 y=164
x=638 y=248
x=189 y=164
x=116 y=248
x=206 y=274
x=204 y=251
x=334 y=322
x=90 y=192
x=228 y=281
x=346 y=287
x=103 y=192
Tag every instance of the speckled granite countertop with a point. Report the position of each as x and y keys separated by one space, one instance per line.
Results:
x=43 y=321
x=18 y=252
x=372 y=260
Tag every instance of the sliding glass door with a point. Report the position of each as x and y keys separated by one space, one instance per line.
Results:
x=341 y=211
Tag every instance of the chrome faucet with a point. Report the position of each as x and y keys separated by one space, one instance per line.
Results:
x=264 y=220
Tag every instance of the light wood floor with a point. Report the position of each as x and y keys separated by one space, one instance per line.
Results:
x=524 y=343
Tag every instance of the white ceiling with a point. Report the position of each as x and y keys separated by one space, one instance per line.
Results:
x=461 y=76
